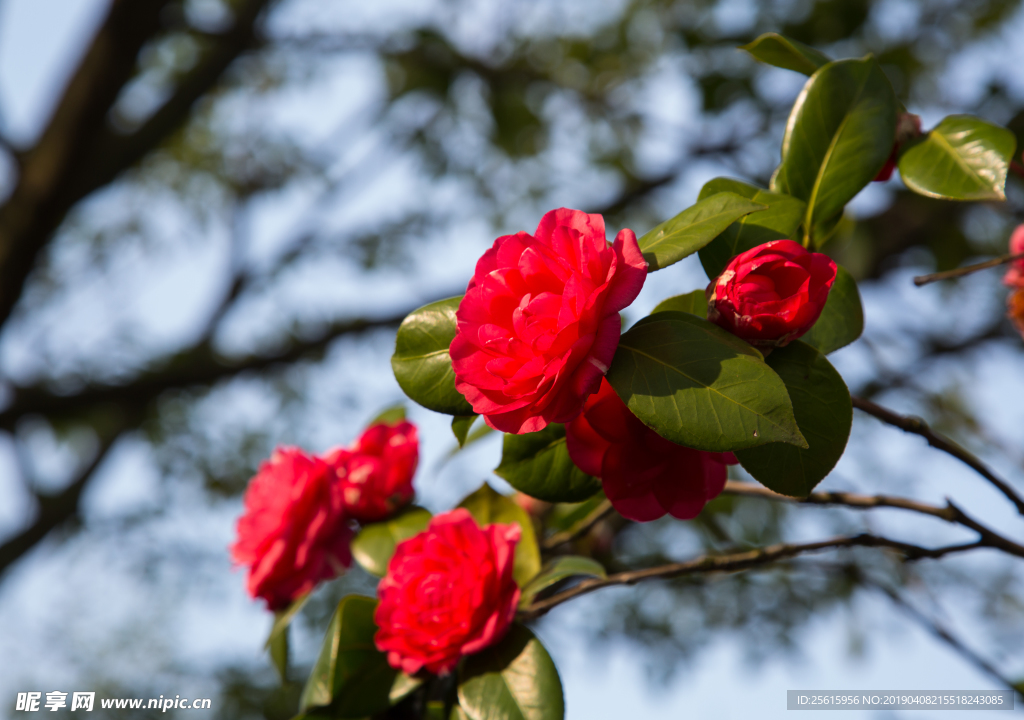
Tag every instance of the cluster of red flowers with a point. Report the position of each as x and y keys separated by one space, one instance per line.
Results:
x=1014 y=279
x=296 y=528
x=536 y=333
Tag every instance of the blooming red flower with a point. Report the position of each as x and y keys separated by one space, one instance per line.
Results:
x=448 y=592
x=539 y=323
x=1015 y=274
x=375 y=472
x=644 y=475
x=771 y=294
x=294 y=532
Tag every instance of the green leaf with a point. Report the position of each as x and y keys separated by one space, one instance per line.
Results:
x=460 y=427
x=563 y=516
x=842 y=318
x=402 y=687
x=373 y=547
x=389 y=415
x=839 y=135
x=458 y=713
x=278 y=646
x=277 y=640
x=422 y=365
x=821 y=403
x=559 y=569
x=781 y=51
x=963 y=158
x=781 y=220
x=697 y=385
x=512 y=680
x=350 y=676
x=487 y=506
x=695 y=303
x=693 y=228
x=539 y=465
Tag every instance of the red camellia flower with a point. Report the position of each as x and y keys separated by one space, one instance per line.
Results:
x=772 y=294
x=644 y=475
x=1015 y=274
x=294 y=532
x=375 y=472
x=539 y=323
x=448 y=592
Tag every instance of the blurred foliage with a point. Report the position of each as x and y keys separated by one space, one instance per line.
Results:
x=609 y=105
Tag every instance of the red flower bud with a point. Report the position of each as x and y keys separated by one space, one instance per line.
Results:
x=539 y=323
x=448 y=592
x=375 y=472
x=1015 y=274
x=293 y=533
x=772 y=294
x=644 y=475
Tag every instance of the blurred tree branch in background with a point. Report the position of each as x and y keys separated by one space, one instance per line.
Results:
x=623 y=108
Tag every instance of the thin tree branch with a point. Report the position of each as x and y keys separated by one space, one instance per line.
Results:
x=580 y=529
x=79 y=151
x=967 y=269
x=198 y=366
x=55 y=509
x=943 y=634
x=950 y=513
x=918 y=426
x=739 y=561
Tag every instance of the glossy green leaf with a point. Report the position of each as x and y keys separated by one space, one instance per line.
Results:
x=839 y=135
x=842 y=318
x=781 y=51
x=963 y=158
x=695 y=303
x=389 y=415
x=693 y=228
x=373 y=547
x=489 y=506
x=539 y=465
x=460 y=427
x=277 y=640
x=402 y=687
x=821 y=402
x=781 y=220
x=458 y=713
x=700 y=386
x=512 y=680
x=559 y=569
x=421 y=362
x=351 y=676
x=563 y=516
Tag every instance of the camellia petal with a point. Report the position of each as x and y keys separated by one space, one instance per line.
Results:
x=772 y=294
x=644 y=475
x=539 y=325
x=448 y=592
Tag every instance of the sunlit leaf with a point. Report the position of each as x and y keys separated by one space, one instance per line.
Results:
x=487 y=506
x=839 y=135
x=693 y=228
x=963 y=158
x=512 y=680
x=783 y=52
x=824 y=412
x=781 y=220
x=697 y=385
x=422 y=365
x=559 y=569
x=842 y=319
x=539 y=465
x=373 y=547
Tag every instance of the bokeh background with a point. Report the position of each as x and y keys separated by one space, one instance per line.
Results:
x=213 y=214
